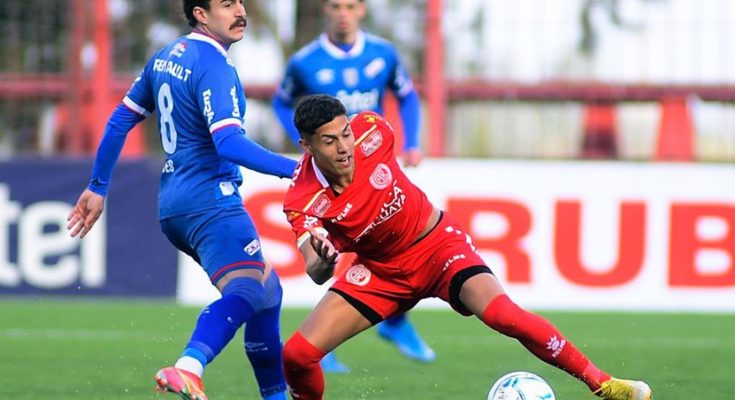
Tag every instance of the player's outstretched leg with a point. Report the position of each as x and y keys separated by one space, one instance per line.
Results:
x=332 y=365
x=262 y=340
x=546 y=342
x=216 y=326
x=399 y=331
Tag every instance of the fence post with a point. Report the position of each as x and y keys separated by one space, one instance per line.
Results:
x=675 y=131
x=600 y=131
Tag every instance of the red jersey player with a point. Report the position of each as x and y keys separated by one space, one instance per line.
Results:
x=349 y=194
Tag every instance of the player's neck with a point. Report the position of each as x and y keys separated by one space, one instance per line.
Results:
x=343 y=41
x=202 y=30
x=339 y=184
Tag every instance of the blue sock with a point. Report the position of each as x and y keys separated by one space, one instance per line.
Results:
x=263 y=344
x=219 y=321
x=396 y=320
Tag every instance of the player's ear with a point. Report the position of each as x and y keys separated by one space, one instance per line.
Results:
x=200 y=14
x=361 y=10
x=305 y=146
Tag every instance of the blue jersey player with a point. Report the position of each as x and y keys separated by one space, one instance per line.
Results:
x=357 y=68
x=201 y=104
x=353 y=66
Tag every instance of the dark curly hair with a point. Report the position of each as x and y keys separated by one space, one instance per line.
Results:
x=314 y=111
x=189 y=10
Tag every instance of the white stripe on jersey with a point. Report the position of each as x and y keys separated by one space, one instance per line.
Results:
x=135 y=107
x=336 y=52
x=307 y=235
x=319 y=175
x=225 y=122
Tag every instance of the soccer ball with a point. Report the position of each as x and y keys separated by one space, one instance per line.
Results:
x=521 y=385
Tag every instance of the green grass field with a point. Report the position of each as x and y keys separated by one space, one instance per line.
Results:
x=110 y=350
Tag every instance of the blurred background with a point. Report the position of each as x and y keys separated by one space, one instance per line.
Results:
x=614 y=79
x=588 y=146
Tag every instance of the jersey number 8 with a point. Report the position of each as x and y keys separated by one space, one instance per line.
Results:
x=165 y=109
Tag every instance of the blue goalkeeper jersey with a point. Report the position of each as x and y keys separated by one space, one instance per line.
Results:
x=197 y=92
x=357 y=77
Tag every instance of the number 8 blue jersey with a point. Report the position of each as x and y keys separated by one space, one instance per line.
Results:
x=197 y=92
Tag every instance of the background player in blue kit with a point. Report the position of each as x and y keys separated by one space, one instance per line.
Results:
x=357 y=68
x=201 y=105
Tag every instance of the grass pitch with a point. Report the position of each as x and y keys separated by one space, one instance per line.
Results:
x=61 y=349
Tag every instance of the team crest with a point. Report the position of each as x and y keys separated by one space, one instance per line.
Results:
x=358 y=275
x=381 y=177
x=351 y=77
x=372 y=143
x=325 y=76
x=321 y=205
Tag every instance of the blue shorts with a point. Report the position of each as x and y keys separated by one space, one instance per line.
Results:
x=220 y=240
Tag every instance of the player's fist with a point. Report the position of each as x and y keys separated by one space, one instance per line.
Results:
x=412 y=157
x=85 y=213
x=323 y=247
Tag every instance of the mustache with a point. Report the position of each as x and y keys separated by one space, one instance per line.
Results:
x=239 y=21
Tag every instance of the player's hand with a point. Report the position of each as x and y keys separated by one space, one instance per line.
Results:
x=85 y=213
x=412 y=157
x=323 y=247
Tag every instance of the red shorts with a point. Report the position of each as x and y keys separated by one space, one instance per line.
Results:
x=435 y=266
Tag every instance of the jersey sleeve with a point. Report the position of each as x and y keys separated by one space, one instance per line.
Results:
x=140 y=95
x=220 y=98
x=302 y=223
x=292 y=86
x=300 y=198
x=373 y=133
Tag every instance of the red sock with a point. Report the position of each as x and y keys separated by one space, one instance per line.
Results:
x=543 y=340
x=301 y=367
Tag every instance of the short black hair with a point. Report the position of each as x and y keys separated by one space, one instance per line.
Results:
x=189 y=10
x=316 y=110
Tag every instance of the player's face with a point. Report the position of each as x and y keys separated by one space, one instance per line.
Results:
x=344 y=17
x=225 y=20
x=332 y=147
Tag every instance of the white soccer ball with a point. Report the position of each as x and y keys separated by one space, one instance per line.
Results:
x=521 y=385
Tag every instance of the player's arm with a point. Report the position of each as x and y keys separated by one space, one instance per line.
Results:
x=234 y=146
x=219 y=93
x=410 y=109
x=284 y=111
x=285 y=98
x=318 y=251
x=320 y=256
x=136 y=105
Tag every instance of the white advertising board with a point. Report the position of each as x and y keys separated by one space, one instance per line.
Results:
x=559 y=235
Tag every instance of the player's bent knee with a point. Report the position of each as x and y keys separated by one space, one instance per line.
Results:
x=298 y=353
x=249 y=289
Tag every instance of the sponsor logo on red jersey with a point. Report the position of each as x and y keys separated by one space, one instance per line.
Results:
x=372 y=143
x=390 y=208
x=343 y=214
x=358 y=275
x=452 y=259
x=321 y=205
x=381 y=177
